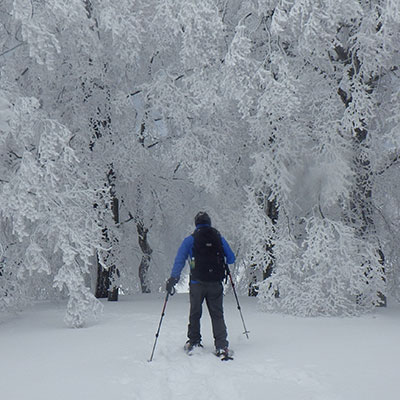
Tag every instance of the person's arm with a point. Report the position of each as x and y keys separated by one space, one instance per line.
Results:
x=181 y=257
x=229 y=255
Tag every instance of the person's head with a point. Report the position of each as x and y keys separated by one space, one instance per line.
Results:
x=202 y=218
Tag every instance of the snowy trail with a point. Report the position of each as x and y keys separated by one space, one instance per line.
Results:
x=286 y=358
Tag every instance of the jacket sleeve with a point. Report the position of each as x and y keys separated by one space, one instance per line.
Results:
x=184 y=251
x=229 y=255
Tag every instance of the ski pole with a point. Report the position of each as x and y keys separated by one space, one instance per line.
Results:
x=246 y=332
x=159 y=325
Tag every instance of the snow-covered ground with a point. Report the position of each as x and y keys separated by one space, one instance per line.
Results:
x=286 y=358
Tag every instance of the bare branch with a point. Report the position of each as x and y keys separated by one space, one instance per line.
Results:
x=13 y=48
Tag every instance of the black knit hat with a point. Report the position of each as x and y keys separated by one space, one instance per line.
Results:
x=202 y=218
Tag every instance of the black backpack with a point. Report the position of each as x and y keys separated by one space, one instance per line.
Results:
x=208 y=254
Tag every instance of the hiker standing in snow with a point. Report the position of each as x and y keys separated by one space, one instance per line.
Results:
x=208 y=253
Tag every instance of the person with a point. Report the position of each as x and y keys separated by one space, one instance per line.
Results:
x=208 y=253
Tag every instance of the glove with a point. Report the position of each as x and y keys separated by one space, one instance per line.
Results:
x=171 y=282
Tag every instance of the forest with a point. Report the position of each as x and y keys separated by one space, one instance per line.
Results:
x=120 y=120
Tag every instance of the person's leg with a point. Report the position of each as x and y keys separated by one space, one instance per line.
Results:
x=214 y=299
x=196 y=301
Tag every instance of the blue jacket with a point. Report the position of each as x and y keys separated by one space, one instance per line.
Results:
x=185 y=252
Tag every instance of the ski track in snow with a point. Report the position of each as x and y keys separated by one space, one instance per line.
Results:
x=286 y=358
x=204 y=376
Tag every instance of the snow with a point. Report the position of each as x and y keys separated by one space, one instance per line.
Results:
x=285 y=358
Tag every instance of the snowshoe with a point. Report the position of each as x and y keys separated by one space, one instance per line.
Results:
x=224 y=354
x=190 y=347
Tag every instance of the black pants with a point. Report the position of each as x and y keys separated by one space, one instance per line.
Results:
x=213 y=293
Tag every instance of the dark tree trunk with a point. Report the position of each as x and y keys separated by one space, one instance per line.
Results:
x=102 y=127
x=106 y=287
x=271 y=209
x=103 y=282
x=113 y=289
x=253 y=287
x=273 y=213
x=146 y=257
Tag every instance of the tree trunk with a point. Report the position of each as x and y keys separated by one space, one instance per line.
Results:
x=146 y=258
x=103 y=281
x=271 y=209
x=106 y=287
x=114 y=273
x=273 y=213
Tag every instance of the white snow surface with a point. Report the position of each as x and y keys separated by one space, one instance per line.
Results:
x=285 y=358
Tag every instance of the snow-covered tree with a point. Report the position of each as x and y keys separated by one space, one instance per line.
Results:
x=314 y=122
x=278 y=117
x=81 y=67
